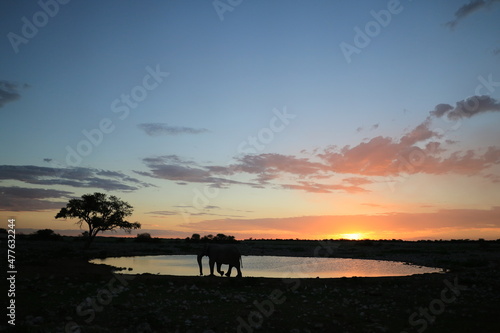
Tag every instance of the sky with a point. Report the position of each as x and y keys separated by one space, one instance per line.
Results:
x=264 y=119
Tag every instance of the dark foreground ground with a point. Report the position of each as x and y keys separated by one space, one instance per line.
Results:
x=56 y=290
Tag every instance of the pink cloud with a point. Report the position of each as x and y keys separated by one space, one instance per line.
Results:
x=324 y=226
x=323 y=188
x=420 y=150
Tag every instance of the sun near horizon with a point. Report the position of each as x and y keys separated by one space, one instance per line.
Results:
x=354 y=236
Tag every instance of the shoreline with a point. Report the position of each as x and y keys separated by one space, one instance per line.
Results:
x=55 y=280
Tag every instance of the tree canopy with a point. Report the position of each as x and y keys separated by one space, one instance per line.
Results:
x=219 y=238
x=100 y=213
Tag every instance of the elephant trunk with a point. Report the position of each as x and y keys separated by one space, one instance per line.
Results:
x=199 y=263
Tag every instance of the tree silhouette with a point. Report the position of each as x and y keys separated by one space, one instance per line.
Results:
x=100 y=213
x=45 y=234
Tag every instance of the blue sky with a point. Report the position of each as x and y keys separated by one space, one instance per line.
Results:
x=332 y=128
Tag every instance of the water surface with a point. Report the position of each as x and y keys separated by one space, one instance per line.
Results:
x=269 y=266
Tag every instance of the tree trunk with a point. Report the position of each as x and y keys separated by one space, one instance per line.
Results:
x=90 y=238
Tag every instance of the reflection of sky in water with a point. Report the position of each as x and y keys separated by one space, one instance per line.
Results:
x=269 y=266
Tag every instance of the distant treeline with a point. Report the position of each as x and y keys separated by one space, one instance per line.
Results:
x=49 y=234
x=219 y=238
x=43 y=234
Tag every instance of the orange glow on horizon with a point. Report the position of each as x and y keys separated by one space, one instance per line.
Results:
x=355 y=236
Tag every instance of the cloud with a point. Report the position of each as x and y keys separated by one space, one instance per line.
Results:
x=397 y=223
x=440 y=110
x=75 y=177
x=377 y=157
x=17 y=199
x=265 y=168
x=323 y=188
x=420 y=133
x=357 y=180
x=9 y=92
x=269 y=166
x=415 y=152
x=372 y=128
x=171 y=167
x=163 y=212
x=158 y=129
x=469 y=162
x=467 y=108
x=493 y=178
x=419 y=150
x=192 y=211
x=371 y=204
x=468 y=9
x=383 y=156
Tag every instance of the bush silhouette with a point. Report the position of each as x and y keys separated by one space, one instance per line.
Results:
x=45 y=234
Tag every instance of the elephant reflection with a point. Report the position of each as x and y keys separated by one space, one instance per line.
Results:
x=221 y=254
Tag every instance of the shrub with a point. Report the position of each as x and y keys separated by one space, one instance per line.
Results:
x=146 y=238
x=45 y=234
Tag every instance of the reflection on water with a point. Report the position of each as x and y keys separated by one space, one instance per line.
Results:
x=270 y=266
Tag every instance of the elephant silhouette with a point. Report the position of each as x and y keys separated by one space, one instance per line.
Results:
x=221 y=254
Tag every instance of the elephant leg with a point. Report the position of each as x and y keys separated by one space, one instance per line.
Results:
x=218 y=269
x=211 y=263
x=228 y=274
x=239 y=271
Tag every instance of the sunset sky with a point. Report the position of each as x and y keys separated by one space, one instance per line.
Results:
x=265 y=119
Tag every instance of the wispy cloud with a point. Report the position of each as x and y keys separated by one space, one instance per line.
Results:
x=172 y=167
x=78 y=177
x=380 y=156
x=468 y=9
x=192 y=211
x=372 y=128
x=265 y=168
x=320 y=226
x=163 y=212
x=467 y=108
x=314 y=187
x=9 y=92
x=158 y=129
x=13 y=198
